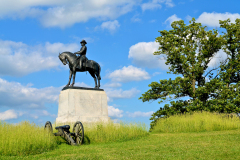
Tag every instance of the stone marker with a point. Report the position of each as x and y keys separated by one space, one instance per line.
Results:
x=82 y=104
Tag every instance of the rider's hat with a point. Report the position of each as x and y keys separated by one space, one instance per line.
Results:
x=83 y=41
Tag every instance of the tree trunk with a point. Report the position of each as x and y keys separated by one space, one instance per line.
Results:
x=193 y=85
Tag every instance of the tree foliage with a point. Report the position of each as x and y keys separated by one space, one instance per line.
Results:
x=227 y=98
x=189 y=50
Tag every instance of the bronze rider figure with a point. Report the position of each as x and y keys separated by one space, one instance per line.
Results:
x=82 y=56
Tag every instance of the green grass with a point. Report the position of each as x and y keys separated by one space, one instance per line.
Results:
x=24 y=139
x=196 y=122
x=110 y=132
x=202 y=145
x=101 y=132
x=132 y=141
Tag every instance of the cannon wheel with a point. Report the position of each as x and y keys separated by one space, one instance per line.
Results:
x=48 y=127
x=78 y=133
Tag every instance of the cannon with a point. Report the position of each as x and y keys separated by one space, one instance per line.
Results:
x=74 y=138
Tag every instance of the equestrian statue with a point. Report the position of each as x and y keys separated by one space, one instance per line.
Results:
x=81 y=64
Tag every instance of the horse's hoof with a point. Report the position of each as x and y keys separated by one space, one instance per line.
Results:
x=71 y=85
x=67 y=85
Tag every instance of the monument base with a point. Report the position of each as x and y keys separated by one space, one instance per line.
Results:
x=82 y=104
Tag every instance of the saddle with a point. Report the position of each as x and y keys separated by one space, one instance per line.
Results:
x=85 y=62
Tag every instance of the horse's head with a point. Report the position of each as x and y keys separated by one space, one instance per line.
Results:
x=62 y=58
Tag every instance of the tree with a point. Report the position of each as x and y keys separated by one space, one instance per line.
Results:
x=231 y=47
x=227 y=98
x=189 y=50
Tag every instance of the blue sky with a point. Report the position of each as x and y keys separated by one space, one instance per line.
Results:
x=120 y=36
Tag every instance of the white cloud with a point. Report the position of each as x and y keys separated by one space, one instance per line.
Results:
x=112 y=26
x=129 y=73
x=9 y=114
x=119 y=93
x=46 y=113
x=172 y=19
x=207 y=79
x=156 y=4
x=64 y=13
x=142 y=55
x=169 y=3
x=32 y=113
x=135 y=18
x=212 y=19
x=152 y=21
x=188 y=18
x=56 y=48
x=217 y=58
x=156 y=73
x=36 y=114
x=15 y=95
x=82 y=84
x=140 y=114
x=18 y=59
x=114 y=112
x=112 y=84
x=150 y=6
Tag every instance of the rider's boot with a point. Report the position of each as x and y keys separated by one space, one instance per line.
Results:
x=80 y=65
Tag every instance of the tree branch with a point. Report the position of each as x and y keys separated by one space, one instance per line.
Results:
x=215 y=69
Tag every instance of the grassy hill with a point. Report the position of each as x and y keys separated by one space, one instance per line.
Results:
x=204 y=144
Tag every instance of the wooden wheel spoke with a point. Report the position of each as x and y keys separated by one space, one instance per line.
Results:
x=48 y=127
x=79 y=132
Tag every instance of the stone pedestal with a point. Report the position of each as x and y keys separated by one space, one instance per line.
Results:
x=82 y=104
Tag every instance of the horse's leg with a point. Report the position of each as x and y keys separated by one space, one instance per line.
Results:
x=98 y=83
x=70 y=77
x=74 y=74
x=98 y=77
x=95 y=79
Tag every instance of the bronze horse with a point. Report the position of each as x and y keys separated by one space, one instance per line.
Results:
x=91 y=66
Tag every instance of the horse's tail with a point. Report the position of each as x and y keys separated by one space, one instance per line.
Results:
x=99 y=71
